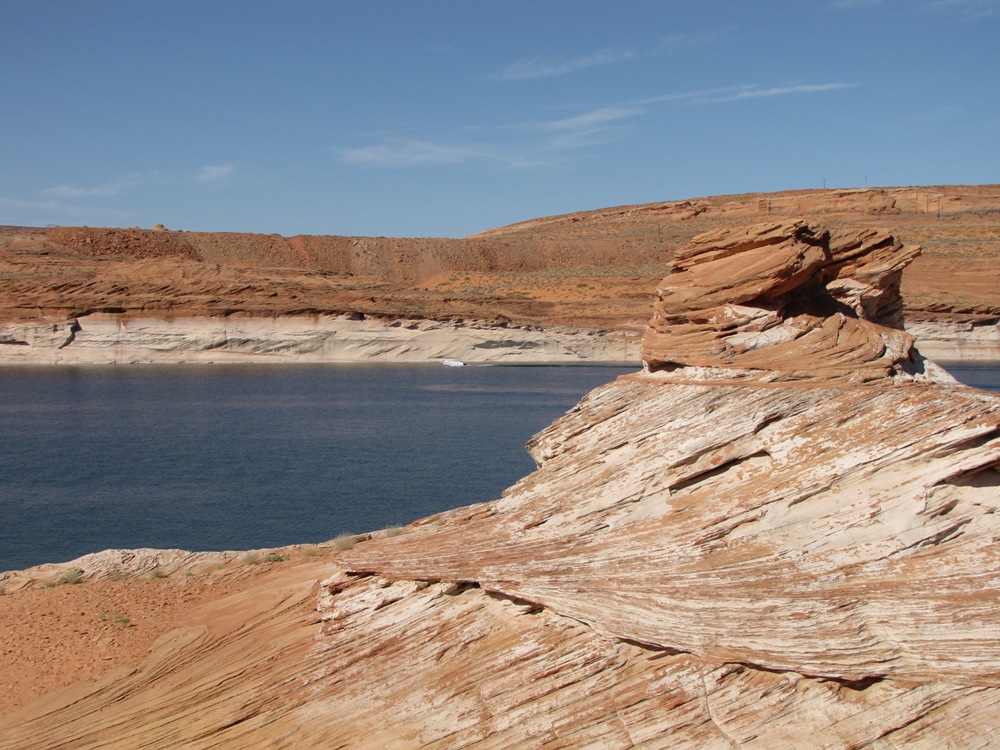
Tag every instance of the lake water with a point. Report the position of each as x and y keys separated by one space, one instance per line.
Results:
x=240 y=457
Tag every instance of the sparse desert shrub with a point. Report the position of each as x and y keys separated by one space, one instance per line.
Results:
x=71 y=576
x=251 y=558
x=104 y=615
x=393 y=531
x=310 y=550
x=343 y=542
x=274 y=557
x=157 y=573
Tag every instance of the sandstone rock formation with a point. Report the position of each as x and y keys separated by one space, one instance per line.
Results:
x=804 y=305
x=782 y=533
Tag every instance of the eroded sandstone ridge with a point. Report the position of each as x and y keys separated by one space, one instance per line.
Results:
x=782 y=533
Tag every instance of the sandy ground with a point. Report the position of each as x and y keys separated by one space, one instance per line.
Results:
x=57 y=635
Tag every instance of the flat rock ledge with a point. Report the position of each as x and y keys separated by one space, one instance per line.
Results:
x=781 y=533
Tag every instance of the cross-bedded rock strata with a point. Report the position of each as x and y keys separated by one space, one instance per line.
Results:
x=782 y=533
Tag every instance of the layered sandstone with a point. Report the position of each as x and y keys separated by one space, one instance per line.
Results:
x=111 y=339
x=592 y=270
x=804 y=305
x=781 y=533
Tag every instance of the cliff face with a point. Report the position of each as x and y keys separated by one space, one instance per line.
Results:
x=590 y=270
x=109 y=339
x=781 y=533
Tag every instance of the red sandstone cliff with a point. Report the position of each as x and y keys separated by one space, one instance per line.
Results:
x=130 y=295
x=594 y=268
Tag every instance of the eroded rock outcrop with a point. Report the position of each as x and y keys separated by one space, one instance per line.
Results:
x=782 y=533
x=784 y=300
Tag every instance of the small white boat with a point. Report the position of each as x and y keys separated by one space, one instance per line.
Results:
x=452 y=363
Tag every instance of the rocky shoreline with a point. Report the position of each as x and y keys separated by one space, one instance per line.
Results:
x=957 y=342
x=107 y=339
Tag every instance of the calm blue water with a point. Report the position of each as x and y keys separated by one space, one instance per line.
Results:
x=218 y=457
x=239 y=457
x=985 y=376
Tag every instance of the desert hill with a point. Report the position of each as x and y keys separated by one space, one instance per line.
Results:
x=780 y=533
x=593 y=269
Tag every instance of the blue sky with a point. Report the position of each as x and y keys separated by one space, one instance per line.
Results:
x=449 y=117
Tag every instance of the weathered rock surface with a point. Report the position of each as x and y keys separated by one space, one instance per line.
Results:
x=790 y=543
x=805 y=305
x=111 y=339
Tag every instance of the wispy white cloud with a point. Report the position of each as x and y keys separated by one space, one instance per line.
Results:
x=690 y=96
x=594 y=118
x=102 y=190
x=798 y=88
x=545 y=142
x=941 y=114
x=214 y=172
x=32 y=205
x=963 y=10
x=967 y=10
x=94 y=191
x=683 y=41
x=587 y=129
x=518 y=146
x=38 y=212
x=745 y=92
x=530 y=68
x=843 y=4
x=409 y=152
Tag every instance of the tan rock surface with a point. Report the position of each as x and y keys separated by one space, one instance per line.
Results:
x=708 y=556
